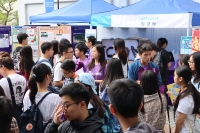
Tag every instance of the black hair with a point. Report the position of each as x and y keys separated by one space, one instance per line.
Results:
x=96 y=101
x=65 y=41
x=26 y=59
x=92 y=39
x=126 y=96
x=39 y=72
x=102 y=59
x=112 y=74
x=77 y=92
x=46 y=46
x=149 y=83
x=184 y=59
x=7 y=62
x=196 y=59
x=172 y=57
x=68 y=65
x=144 y=47
x=64 y=47
x=161 y=42
x=2 y=93
x=55 y=46
x=119 y=45
x=21 y=37
x=186 y=73
x=82 y=47
x=154 y=47
x=6 y=114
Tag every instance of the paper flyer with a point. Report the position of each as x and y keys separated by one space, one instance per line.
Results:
x=186 y=44
x=195 y=41
x=173 y=90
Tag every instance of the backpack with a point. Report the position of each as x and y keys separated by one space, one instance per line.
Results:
x=17 y=107
x=32 y=119
x=158 y=60
x=104 y=97
x=196 y=127
x=110 y=123
x=40 y=61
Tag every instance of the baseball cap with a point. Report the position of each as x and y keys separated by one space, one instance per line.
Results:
x=87 y=79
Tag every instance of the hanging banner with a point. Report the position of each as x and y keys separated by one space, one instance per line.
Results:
x=49 y=5
x=186 y=45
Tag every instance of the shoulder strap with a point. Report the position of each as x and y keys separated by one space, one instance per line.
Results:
x=42 y=60
x=43 y=98
x=64 y=126
x=91 y=128
x=11 y=91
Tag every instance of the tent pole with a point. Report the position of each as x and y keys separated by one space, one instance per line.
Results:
x=58 y=4
x=188 y=30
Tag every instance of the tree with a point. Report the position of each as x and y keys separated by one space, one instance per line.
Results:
x=7 y=14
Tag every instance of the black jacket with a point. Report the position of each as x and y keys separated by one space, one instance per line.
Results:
x=77 y=127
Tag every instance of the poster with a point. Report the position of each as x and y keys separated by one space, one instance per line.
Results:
x=186 y=44
x=5 y=33
x=90 y=32
x=195 y=40
x=173 y=90
x=61 y=36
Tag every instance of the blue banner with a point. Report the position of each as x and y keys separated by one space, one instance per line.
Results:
x=49 y=5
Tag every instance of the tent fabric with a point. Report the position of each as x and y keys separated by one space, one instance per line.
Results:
x=79 y=12
x=148 y=8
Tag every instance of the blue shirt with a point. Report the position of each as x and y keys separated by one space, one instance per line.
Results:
x=133 y=71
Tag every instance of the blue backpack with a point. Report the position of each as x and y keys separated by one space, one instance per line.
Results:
x=32 y=119
x=104 y=97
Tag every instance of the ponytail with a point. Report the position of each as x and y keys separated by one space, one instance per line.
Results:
x=33 y=89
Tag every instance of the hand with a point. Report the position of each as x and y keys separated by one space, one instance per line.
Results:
x=57 y=115
x=138 y=81
x=169 y=93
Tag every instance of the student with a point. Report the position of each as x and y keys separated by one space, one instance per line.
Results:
x=111 y=75
x=66 y=52
x=18 y=82
x=97 y=67
x=126 y=101
x=22 y=40
x=47 y=52
x=144 y=51
x=26 y=61
x=55 y=56
x=13 y=126
x=195 y=67
x=154 y=51
x=75 y=98
x=38 y=82
x=80 y=51
x=122 y=54
x=155 y=103
x=187 y=103
x=68 y=70
x=90 y=42
x=3 y=54
x=184 y=60
x=162 y=44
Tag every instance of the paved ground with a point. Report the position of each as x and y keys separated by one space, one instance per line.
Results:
x=172 y=123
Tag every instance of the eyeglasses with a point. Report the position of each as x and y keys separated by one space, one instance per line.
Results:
x=70 y=52
x=66 y=106
x=66 y=73
x=190 y=62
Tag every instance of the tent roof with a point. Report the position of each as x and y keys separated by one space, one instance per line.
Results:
x=189 y=5
x=79 y=12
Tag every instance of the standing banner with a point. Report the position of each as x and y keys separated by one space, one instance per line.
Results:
x=195 y=40
x=186 y=45
x=32 y=39
x=5 y=39
x=48 y=5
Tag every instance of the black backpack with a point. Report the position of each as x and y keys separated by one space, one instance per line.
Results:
x=32 y=119
x=17 y=107
x=158 y=60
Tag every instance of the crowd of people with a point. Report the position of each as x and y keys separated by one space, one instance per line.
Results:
x=108 y=96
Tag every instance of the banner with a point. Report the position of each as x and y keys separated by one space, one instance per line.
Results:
x=181 y=20
x=5 y=38
x=186 y=44
x=49 y=5
x=195 y=40
x=90 y=32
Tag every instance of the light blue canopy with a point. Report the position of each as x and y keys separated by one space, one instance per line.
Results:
x=79 y=12
x=150 y=8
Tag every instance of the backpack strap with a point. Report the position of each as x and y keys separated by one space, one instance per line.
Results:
x=91 y=128
x=40 y=61
x=64 y=126
x=11 y=91
x=43 y=98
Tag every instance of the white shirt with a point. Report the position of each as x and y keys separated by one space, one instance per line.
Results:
x=57 y=72
x=124 y=67
x=46 y=62
x=19 y=86
x=48 y=105
x=186 y=106
x=196 y=85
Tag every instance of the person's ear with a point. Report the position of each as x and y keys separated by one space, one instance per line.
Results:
x=83 y=104
x=112 y=110
x=141 y=105
x=180 y=79
x=3 y=68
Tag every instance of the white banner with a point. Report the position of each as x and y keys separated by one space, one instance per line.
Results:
x=90 y=32
x=182 y=20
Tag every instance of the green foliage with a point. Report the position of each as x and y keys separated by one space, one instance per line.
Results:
x=7 y=15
